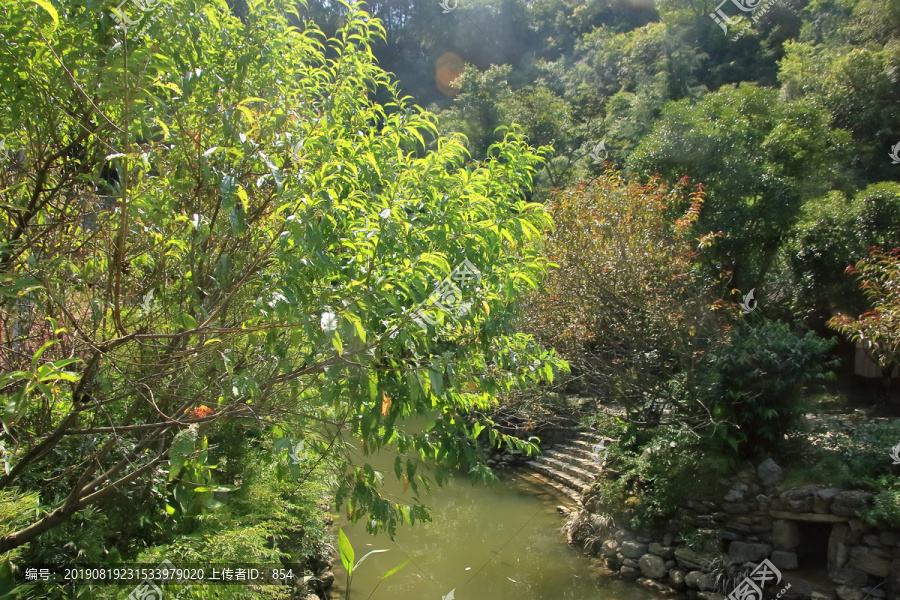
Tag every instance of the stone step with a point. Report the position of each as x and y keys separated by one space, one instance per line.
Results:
x=586 y=477
x=576 y=485
x=586 y=464
x=575 y=449
x=559 y=488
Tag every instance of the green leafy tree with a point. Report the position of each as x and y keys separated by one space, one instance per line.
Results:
x=212 y=222
x=834 y=232
x=761 y=160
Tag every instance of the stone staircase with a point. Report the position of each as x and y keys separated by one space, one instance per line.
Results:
x=570 y=466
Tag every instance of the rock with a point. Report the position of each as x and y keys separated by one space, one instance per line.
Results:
x=629 y=573
x=692 y=579
x=889 y=538
x=872 y=540
x=739 y=508
x=623 y=535
x=563 y=510
x=652 y=566
x=743 y=552
x=326 y=579
x=838 y=548
x=644 y=539
x=670 y=564
x=676 y=579
x=630 y=562
x=865 y=560
x=784 y=560
x=845 y=592
x=633 y=549
x=661 y=588
x=822 y=500
x=734 y=495
x=710 y=596
x=849 y=504
x=668 y=539
x=820 y=596
x=660 y=550
x=769 y=473
x=785 y=534
x=848 y=577
x=693 y=561
x=609 y=549
x=799 y=499
x=892 y=582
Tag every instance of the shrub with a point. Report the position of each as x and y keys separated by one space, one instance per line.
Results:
x=760 y=375
x=629 y=306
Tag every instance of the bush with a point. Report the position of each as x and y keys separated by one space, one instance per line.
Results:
x=760 y=375
x=654 y=474
x=629 y=306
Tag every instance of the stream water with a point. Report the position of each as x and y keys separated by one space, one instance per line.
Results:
x=501 y=542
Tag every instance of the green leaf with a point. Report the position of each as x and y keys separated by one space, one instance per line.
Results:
x=182 y=447
x=188 y=322
x=346 y=551
x=50 y=10
x=394 y=570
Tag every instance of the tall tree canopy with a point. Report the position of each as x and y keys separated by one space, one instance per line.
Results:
x=207 y=221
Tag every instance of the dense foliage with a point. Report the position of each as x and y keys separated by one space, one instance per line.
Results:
x=212 y=231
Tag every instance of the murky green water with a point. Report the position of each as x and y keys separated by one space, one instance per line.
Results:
x=485 y=543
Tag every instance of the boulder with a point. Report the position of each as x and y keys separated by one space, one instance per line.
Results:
x=623 y=535
x=769 y=473
x=785 y=534
x=660 y=588
x=838 y=548
x=784 y=560
x=734 y=495
x=892 y=582
x=849 y=504
x=849 y=577
x=609 y=549
x=845 y=592
x=632 y=549
x=889 y=538
x=629 y=572
x=742 y=552
x=660 y=550
x=652 y=566
x=798 y=499
x=692 y=579
x=823 y=499
x=867 y=561
x=676 y=579
x=693 y=561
